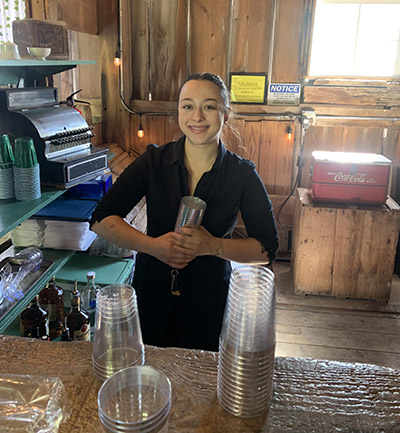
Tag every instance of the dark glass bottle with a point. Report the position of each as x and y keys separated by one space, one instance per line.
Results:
x=51 y=299
x=77 y=320
x=34 y=322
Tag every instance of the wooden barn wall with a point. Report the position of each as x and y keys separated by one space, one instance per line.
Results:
x=163 y=41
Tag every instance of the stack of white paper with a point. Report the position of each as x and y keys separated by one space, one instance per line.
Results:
x=59 y=235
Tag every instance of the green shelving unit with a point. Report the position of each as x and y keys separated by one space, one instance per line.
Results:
x=14 y=212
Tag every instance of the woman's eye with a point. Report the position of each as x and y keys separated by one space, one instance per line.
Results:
x=210 y=107
x=186 y=107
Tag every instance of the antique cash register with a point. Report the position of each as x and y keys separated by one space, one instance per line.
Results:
x=61 y=135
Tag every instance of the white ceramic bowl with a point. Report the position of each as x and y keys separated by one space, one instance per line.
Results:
x=39 y=53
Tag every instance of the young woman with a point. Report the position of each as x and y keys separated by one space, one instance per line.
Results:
x=197 y=164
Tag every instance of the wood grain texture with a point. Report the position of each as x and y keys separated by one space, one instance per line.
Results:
x=344 y=251
x=80 y=16
x=250 y=35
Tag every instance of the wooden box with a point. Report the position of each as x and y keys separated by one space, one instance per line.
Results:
x=41 y=33
x=346 y=251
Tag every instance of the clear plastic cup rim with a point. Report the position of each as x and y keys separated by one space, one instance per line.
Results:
x=250 y=360
x=242 y=271
x=145 y=424
x=242 y=413
x=243 y=301
x=245 y=389
x=245 y=373
x=243 y=377
x=248 y=403
x=129 y=375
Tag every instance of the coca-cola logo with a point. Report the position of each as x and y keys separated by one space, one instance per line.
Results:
x=350 y=178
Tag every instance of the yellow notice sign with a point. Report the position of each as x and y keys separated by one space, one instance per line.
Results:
x=248 y=88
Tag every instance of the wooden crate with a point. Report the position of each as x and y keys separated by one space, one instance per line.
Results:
x=346 y=251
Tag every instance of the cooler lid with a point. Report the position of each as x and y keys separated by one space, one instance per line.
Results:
x=350 y=158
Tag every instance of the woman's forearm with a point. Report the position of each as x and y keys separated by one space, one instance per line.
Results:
x=116 y=230
x=241 y=250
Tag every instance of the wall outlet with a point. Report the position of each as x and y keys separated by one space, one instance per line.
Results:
x=309 y=117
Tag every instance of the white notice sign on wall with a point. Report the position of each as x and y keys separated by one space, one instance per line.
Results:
x=284 y=94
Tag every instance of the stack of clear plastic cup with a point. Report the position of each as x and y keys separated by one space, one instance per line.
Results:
x=247 y=343
x=6 y=168
x=26 y=170
x=136 y=399
x=118 y=338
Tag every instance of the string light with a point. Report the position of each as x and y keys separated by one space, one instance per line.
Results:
x=117 y=56
x=140 y=132
x=289 y=132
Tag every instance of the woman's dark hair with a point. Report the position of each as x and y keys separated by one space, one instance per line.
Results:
x=207 y=76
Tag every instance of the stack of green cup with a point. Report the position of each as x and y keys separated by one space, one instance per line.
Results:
x=6 y=168
x=26 y=170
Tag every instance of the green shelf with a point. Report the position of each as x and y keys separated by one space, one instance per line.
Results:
x=11 y=71
x=14 y=212
x=108 y=270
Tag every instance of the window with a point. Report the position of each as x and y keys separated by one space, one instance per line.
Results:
x=356 y=38
x=10 y=10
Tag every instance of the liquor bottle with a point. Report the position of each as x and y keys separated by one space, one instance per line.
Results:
x=34 y=322
x=77 y=320
x=65 y=334
x=88 y=300
x=51 y=299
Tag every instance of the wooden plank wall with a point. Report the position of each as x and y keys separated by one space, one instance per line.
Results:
x=164 y=41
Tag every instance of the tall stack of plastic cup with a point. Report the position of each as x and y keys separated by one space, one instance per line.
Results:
x=118 y=338
x=6 y=168
x=247 y=343
x=26 y=170
x=136 y=399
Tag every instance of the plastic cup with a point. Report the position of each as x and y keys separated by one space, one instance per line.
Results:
x=247 y=343
x=25 y=152
x=118 y=338
x=135 y=399
x=6 y=168
x=191 y=212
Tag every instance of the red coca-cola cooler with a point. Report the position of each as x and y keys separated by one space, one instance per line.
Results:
x=349 y=177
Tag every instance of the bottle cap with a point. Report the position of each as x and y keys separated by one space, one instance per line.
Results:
x=91 y=274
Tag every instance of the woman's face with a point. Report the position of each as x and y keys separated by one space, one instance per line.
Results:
x=201 y=112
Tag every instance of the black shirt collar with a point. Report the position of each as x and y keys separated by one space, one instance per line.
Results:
x=176 y=154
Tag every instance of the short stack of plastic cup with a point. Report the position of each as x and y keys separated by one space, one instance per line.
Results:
x=247 y=343
x=118 y=338
x=26 y=170
x=136 y=399
x=6 y=168
x=191 y=212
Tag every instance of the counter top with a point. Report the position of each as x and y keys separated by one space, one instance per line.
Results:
x=309 y=395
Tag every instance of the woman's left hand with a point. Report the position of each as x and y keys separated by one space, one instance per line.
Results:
x=198 y=241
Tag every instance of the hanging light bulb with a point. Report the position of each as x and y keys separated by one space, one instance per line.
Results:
x=289 y=132
x=140 y=132
x=117 y=56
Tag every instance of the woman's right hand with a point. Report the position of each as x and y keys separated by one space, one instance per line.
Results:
x=164 y=248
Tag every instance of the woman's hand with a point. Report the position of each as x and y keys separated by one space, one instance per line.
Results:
x=168 y=249
x=197 y=241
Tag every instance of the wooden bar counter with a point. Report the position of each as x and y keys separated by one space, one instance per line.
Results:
x=309 y=395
